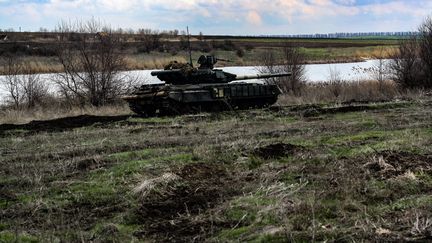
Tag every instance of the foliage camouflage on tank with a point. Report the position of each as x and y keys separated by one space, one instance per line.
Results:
x=191 y=90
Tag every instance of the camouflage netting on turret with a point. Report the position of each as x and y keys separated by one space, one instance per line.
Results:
x=185 y=68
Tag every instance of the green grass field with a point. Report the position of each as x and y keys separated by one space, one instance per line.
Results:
x=361 y=40
x=293 y=173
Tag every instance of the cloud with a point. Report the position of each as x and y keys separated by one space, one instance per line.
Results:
x=254 y=18
x=345 y=2
x=239 y=15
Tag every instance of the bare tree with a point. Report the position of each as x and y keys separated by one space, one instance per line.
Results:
x=405 y=65
x=11 y=82
x=23 y=86
x=335 y=82
x=411 y=66
x=150 y=39
x=425 y=46
x=380 y=70
x=35 y=90
x=92 y=63
x=292 y=61
x=268 y=62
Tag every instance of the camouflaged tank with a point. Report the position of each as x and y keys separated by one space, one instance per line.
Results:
x=191 y=90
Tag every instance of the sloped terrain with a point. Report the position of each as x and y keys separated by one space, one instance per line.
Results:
x=299 y=173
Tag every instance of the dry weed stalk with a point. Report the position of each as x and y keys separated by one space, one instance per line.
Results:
x=159 y=185
x=422 y=226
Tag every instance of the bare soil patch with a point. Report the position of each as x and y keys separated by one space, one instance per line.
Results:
x=389 y=164
x=178 y=212
x=278 y=150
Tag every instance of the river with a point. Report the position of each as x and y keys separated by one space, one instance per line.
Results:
x=314 y=73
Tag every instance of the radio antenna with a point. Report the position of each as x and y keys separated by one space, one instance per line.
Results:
x=189 y=44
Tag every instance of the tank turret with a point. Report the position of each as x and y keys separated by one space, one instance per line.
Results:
x=188 y=89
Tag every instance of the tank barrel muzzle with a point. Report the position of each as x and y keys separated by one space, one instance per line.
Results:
x=262 y=76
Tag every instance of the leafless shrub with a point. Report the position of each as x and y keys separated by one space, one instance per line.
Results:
x=240 y=52
x=405 y=65
x=411 y=66
x=335 y=82
x=11 y=82
x=35 y=89
x=425 y=45
x=22 y=84
x=91 y=64
x=380 y=71
x=268 y=62
x=150 y=40
x=422 y=226
x=292 y=61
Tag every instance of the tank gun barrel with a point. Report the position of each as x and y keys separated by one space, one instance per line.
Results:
x=156 y=73
x=262 y=76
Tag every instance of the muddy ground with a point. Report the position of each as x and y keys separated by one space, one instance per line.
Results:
x=299 y=173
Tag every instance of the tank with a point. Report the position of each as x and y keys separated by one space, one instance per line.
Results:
x=191 y=90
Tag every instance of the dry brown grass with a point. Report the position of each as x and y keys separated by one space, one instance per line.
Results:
x=379 y=52
x=39 y=65
x=340 y=92
x=133 y=62
x=150 y=62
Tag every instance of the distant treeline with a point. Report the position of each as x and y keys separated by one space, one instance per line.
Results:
x=355 y=35
x=11 y=35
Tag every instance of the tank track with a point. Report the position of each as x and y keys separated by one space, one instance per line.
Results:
x=141 y=110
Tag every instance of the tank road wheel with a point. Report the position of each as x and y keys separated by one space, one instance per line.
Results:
x=174 y=108
x=144 y=111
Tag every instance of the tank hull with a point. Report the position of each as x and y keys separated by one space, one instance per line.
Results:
x=165 y=99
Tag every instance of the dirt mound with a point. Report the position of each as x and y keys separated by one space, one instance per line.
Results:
x=277 y=150
x=388 y=164
x=173 y=212
x=62 y=124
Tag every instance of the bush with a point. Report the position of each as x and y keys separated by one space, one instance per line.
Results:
x=24 y=88
x=292 y=61
x=228 y=45
x=249 y=47
x=206 y=47
x=240 y=52
x=174 y=51
x=411 y=66
x=92 y=65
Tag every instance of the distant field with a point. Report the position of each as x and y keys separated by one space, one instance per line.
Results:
x=157 y=60
x=241 y=51
x=398 y=38
x=367 y=41
x=355 y=41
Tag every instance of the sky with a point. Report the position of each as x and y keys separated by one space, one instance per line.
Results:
x=220 y=17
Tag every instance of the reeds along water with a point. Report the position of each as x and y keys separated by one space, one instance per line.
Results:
x=340 y=92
